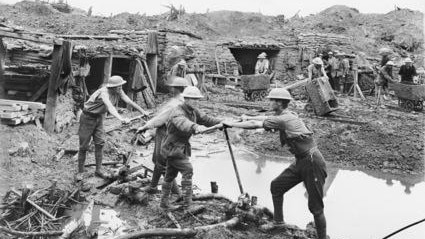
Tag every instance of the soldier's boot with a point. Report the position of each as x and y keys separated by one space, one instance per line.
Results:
x=98 y=155
x=165 y=199
x=81 y=160
x=176 y=191
x=320 y=222
x=153 y=187
x=277 y=215
x=187 y=193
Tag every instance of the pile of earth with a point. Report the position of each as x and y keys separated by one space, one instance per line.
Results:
x=401 y=29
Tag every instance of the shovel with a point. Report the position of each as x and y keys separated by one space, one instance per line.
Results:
x=243 y=200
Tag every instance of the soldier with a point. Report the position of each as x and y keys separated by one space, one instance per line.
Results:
x=262 y=65
x=316 y=70
x=309 y=167
x=91 y=120
x=177 y=85
x=407 y=71
x=184 y=121
x=385 y=76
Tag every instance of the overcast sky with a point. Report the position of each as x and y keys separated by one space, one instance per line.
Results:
x=267 y=7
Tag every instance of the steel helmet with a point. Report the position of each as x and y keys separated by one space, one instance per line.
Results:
x=178 y=81
x=408 y=60
x=317 y=61
x=115 y=81
x=279 y=93
x=390 y=63
x=192 y=92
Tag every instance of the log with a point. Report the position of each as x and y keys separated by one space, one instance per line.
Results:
x=107 y=69
x=34 y=204
x=51 y=103
x=229 y=223
x=90 y=37
x=37 y=39
x=159 y=232
x=31 y=105
x=210 y=196
x=104 y=163
x=148 y=73
x=31 y=234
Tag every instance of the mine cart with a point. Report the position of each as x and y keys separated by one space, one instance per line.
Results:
x=321 y=96
x=409 y=96
x=255 y=87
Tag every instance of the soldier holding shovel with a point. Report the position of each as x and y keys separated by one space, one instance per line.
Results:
x=309 y=167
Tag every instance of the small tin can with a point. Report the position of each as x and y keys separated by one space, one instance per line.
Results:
x=214 y=187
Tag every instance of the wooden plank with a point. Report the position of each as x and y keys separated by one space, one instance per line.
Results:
x=152 y=43
x=11 y=108
x=11 y=115
x=152 y=85
x=40 y=91
x=30 y=38
x=89 y=37
x=107 y=68
x=31 y=105
x=51 y=103
x=14 y=121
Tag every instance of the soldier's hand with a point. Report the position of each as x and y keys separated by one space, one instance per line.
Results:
x=200 y=128
x=125 y=121
x=227 y=124
x=141 y=129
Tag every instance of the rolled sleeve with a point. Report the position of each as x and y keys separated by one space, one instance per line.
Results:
x=273 y=122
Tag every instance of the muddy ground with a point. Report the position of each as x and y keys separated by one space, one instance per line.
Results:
x=362 y=136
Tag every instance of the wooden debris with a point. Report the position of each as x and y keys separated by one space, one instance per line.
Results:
x=159 y=232
x=210 y=196
x=34 y=204
x=173 y=219
x=59 y=155
x=31 y=234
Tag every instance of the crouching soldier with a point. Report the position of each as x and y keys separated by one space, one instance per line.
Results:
x=184 y=121
x=309 y=167
x=177 y=85
x=91 y=120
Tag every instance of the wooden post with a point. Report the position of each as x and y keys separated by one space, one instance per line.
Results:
x=216 y=61
x=131 y=76
x=152 y=62
x=55 y=70
x=2 y=57
x=107 y=69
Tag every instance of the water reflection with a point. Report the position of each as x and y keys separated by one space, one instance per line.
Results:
x=357 y=204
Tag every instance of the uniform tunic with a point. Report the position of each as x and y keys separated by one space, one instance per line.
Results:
x=91 y=120
x=176 y=148
x=309 y=166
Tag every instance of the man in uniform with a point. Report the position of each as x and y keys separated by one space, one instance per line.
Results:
x=316 y=69
x=262 y=65
x=333 y=65
x=184 y=121
x=309 y=167
x=407 y=71
x=91 y=120
x=177 y=85
x=385 y=76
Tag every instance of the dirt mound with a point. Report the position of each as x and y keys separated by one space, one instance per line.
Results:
x=41 y=9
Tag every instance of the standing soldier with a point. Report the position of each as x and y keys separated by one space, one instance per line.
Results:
x=385 y=76
x=333 y=65
x=184 y=121
x=177 y=85
x=309 y=167
x=91 y=120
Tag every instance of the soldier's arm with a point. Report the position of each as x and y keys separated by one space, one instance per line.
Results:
x=127 y=100
x=111 y=109
x=204 y=119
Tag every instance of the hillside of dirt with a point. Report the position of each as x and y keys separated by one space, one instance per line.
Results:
x=400 y=29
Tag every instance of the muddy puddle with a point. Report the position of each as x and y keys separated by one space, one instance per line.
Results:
x=357 y=204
